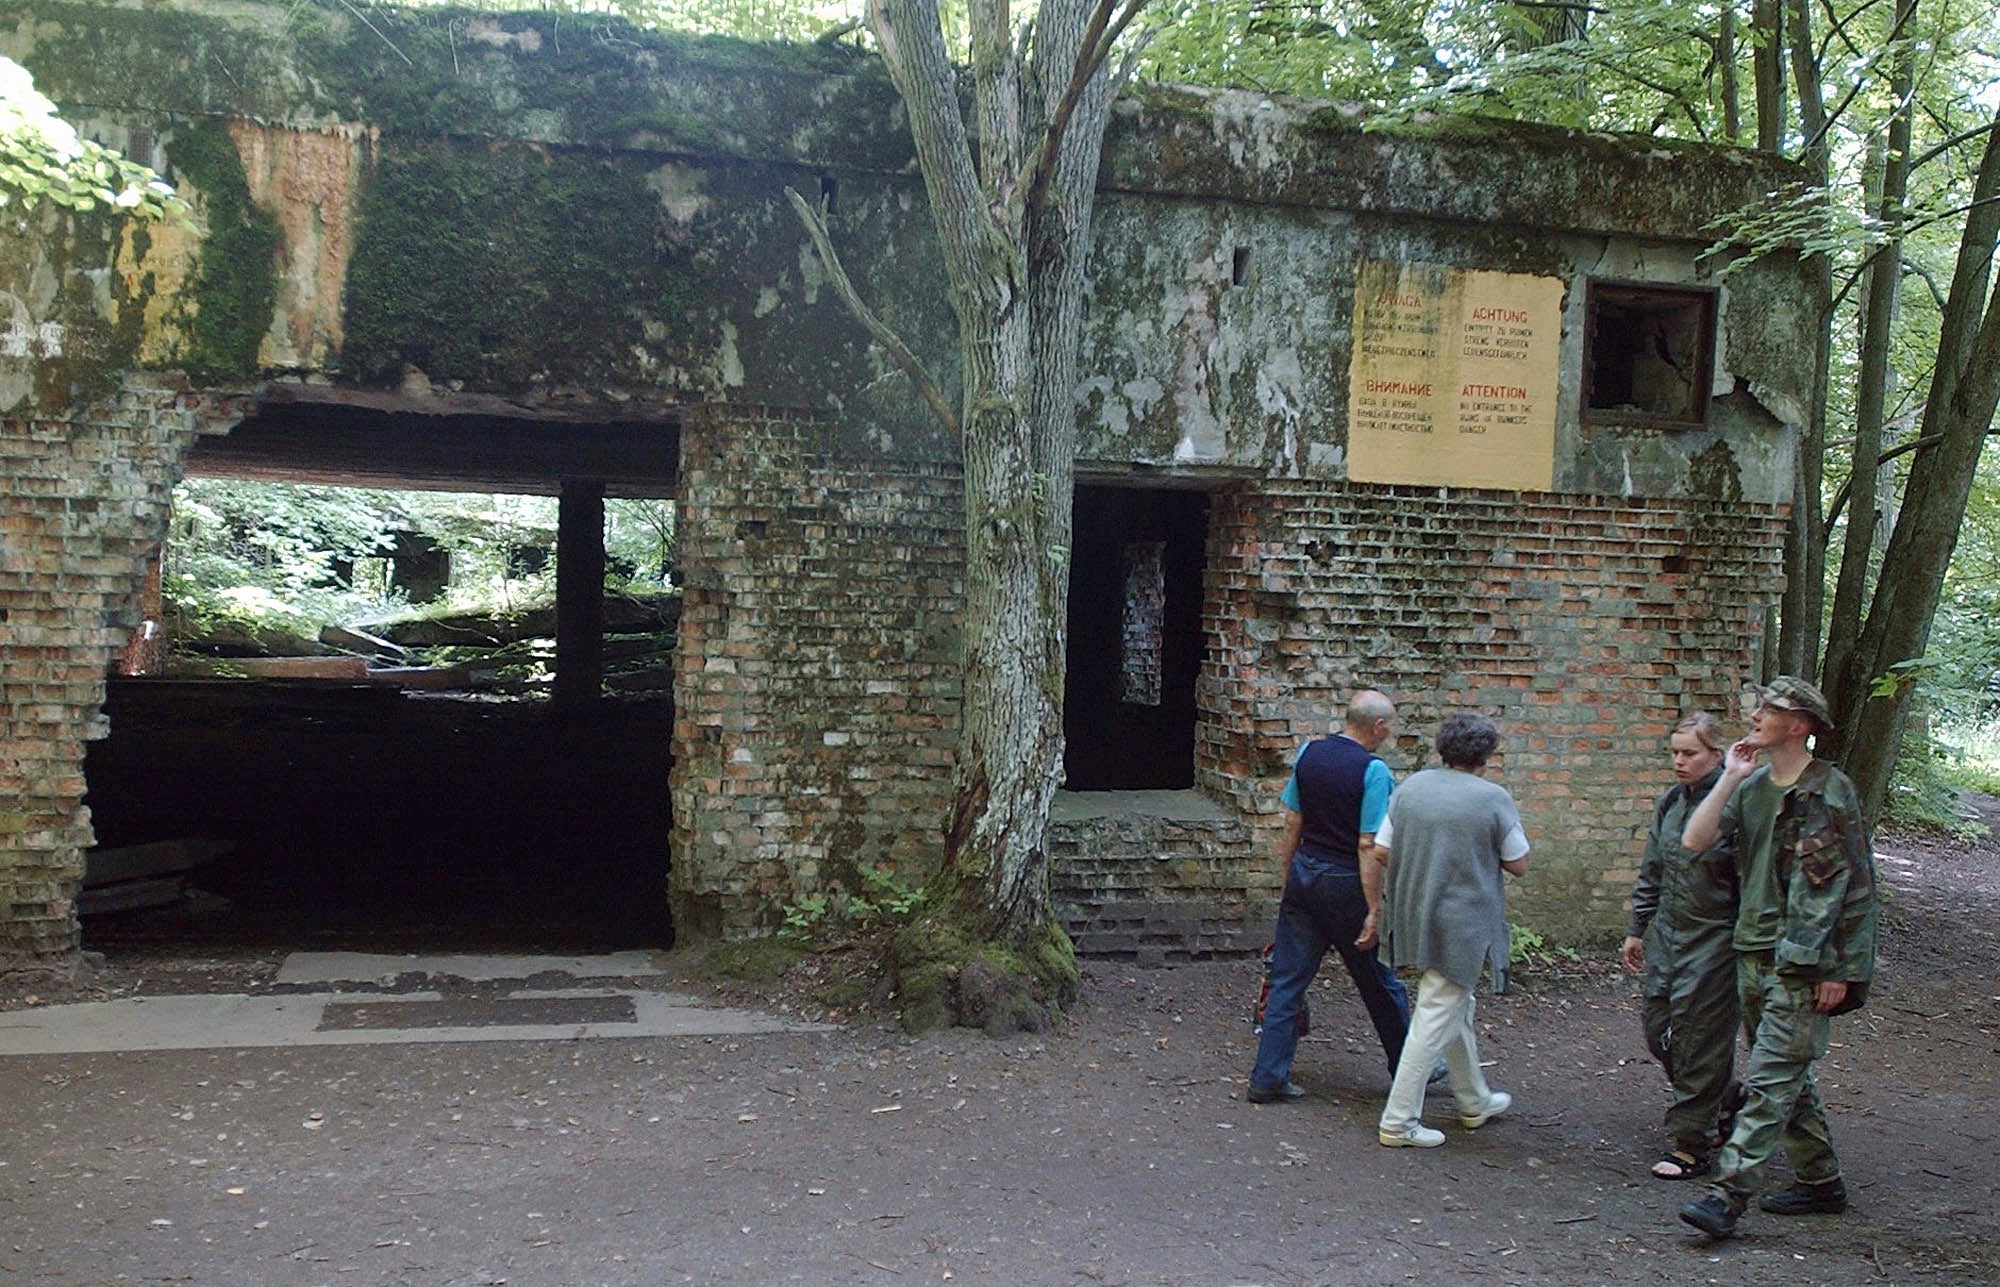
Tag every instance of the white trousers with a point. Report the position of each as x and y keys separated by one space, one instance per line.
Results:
x=1440 y=1025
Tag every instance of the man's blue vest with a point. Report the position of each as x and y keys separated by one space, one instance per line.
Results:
x=1330 y=774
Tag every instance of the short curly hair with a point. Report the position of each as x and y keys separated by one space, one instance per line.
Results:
x=1467 y=741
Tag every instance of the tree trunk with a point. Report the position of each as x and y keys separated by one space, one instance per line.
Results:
x=1725 y=62
x=1805 y=538
x=1872 y=387
x=1965 y=389
x=1014 y=223
x=1767 y=66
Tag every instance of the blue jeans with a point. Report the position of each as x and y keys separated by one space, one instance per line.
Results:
x=1323 y=908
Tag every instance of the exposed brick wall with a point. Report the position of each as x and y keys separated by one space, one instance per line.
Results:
x=1584 y=625
x=817 y=694
x=86 y=502
x=816 y=683
x=1179 y=879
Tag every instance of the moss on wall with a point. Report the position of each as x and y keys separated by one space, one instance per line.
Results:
x=65 y=346
x=501 y=266
x=594 y=81
x=159 y=57
x=233 y=290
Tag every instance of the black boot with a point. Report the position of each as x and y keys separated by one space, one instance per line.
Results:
x=1828 y=1197
x=1713 y=1215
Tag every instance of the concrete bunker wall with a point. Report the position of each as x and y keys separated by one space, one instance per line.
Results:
x=817 y=689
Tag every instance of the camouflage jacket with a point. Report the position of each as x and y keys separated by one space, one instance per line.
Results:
x=1825 y=864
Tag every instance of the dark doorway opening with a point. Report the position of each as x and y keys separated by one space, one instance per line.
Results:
x=1135 y=640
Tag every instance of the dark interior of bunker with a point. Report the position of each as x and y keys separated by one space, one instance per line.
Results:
x=381 y=808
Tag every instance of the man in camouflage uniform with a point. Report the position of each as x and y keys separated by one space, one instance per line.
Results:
x=1681 y=935
x=1805 y=943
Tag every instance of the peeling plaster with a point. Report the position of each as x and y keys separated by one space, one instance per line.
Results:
x=729 y=362
x=309 y=181
x=812 y=273
x=1191 y=314
x=489 y=31
x=681 y=191
x=1281 y=397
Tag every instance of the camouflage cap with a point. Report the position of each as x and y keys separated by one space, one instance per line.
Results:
x=1790 y=693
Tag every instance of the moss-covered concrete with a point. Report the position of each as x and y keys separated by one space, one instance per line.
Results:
x=501 y=266
x=225 y=309
x=543 y=201
x=72 y=321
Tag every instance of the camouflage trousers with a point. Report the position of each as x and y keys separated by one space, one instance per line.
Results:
x=1785 y=1035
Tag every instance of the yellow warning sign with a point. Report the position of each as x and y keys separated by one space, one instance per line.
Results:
x=1453 y=377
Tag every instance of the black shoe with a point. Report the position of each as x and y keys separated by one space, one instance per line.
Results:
x=1275 y=1094
x=1714 y=1216
x=1828 y=1197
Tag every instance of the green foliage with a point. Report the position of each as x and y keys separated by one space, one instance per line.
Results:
x=1924 y=791
x=1526 y=946
x=262 y=558
x=275 y=556
x=42 y=158
x=887 y=901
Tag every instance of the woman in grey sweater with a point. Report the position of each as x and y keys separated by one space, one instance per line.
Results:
x=1448 y=837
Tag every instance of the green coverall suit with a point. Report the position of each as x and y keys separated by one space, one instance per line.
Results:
x=1684 y=907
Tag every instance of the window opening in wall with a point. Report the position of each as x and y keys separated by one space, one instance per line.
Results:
x=1135 y=641
x=1648 y=351
x=1239 y=266
x=1143 y=635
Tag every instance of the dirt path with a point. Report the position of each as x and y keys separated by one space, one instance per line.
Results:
x=1116 y=1151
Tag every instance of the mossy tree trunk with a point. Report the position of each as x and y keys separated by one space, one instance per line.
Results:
x=1012 y=201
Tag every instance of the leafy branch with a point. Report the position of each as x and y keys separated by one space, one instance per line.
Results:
x=42 y=158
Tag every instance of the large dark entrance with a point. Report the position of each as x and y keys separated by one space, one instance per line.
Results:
x=1135 y=641
x=375 y=809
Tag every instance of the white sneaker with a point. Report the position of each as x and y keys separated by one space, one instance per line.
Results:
x=1412 y=1135
x=1497 y=1103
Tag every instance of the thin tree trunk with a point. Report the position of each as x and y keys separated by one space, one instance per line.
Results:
x=1872 y=386
x=1805 y=538
x=1767 y=65
x=1964 y=392
x=1725 y=61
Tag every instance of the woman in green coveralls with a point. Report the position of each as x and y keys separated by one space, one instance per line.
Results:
x=1683 y=917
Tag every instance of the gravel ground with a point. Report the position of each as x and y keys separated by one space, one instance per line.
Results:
x=1115 y=1150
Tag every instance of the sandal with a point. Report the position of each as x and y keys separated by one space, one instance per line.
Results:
x=1677 y=1165
x=1733 y=1099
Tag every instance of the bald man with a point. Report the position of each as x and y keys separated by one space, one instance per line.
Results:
x=1336 y=798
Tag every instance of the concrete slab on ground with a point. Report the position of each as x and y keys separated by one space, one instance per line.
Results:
x=310 y=968
x=315 y=1019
